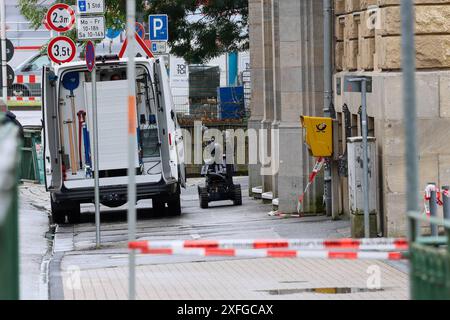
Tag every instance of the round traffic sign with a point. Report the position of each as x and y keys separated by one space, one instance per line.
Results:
x=113 y=33
x=61 y=49
x=9 y=50
x=140 y=30
x=60 y=17
x=45 y=24
x=9 y=76
x=90 y=56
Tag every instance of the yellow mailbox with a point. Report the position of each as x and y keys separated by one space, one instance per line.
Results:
x=319 y=135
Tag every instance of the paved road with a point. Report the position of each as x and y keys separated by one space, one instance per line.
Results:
x=34 y=250
x=79 y=271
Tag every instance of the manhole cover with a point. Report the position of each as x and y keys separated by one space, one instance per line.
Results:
x=279 y=292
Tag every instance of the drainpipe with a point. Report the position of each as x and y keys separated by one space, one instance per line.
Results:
x=328 y=93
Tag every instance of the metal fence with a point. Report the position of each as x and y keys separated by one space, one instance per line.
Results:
x=430 y=251
x=205 y=93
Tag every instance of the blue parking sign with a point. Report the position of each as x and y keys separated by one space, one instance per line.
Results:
x=159 y=27
x=82 y=5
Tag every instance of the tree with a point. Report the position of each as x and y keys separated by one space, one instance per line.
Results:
x=199 y=30
x=115 y=15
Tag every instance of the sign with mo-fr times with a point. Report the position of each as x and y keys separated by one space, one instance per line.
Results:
x=91 y=27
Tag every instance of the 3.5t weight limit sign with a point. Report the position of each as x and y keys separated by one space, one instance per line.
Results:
x=61 y=49
x=60 y=17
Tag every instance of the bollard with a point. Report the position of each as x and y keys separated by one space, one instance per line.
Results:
x=434 y=211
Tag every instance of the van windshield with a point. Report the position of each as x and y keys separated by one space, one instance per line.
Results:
x=76 y=115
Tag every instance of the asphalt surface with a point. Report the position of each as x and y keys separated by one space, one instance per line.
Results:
x=74 y=246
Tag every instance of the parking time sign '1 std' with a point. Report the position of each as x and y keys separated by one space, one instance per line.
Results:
x=159 y=27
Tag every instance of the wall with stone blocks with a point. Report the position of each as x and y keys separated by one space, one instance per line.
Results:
x=368 y=42
x=367 y=34
x=385 y=107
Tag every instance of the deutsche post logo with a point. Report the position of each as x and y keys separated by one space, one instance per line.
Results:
x=321 y=128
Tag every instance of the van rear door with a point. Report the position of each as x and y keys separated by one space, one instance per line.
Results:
x=52 y=145
x=166 y=125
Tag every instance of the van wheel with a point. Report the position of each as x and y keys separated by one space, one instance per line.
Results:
x=63 y=208
x=174 y=205
x=203 y=197
x=59 y=211
x=74 y=215
x=237 y=200
x=159 y=207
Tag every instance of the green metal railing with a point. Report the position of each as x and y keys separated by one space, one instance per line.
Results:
x=430 y=261
x=9 y=238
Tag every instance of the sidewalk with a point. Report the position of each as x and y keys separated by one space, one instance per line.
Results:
x=238 y=280
x=34 y=247
x=79 y=271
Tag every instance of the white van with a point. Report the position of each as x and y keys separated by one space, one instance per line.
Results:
x=68 y=136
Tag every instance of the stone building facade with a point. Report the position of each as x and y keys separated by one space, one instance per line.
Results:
x=287 y=69
x=286 y=39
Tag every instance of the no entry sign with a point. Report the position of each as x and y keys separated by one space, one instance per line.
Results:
x=61 y=49
x=140 y=30
x=90 y=56
x=61 y=17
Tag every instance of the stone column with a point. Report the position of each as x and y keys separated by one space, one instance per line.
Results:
x=257 y=74
x=276 y=92
x=301 y=86
x=268 y=95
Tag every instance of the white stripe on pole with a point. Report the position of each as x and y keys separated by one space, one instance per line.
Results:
x=131 y=21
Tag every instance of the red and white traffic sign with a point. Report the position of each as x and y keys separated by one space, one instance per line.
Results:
x=141 y=47
x=60 y=17
x=61 y=49
x=46 y=25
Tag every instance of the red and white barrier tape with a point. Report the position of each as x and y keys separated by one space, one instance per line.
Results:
x=32 y=79
x=25 y=99
x=439 y=194
x=271 y=253
x=317 y=167
x=317 y=244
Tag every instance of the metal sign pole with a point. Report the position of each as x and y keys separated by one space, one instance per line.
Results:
x=410 y=114
x=3 y=53
x=365 y=157
x=96 y=158
x=131 y=21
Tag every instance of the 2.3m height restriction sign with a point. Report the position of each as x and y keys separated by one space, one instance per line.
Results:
x=61 y=49
x=60 y=17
